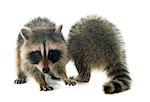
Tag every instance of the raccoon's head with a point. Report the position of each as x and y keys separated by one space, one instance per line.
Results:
x=43 y=48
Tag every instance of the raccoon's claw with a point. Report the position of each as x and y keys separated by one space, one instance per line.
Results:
x=20 y=81
x=70 y=82
x=46 y=88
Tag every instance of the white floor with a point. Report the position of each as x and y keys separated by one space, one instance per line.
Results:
x=131 y=17
x=92 y=91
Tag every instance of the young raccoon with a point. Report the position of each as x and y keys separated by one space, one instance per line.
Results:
x=95 y=42
x=41 y=49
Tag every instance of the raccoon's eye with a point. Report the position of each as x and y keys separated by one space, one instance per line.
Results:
x=35 y=57
x=54 y=55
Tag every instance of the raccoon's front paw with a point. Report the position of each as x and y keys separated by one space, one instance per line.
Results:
x=54 y=77
x=70 y=82
x=46 y=88
x=20 y=81
x=78 y=79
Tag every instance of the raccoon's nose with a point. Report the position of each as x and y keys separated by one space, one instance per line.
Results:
x=45 y=70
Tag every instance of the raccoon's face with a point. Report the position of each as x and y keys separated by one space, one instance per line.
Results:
x=43 y=54
x=44 y=57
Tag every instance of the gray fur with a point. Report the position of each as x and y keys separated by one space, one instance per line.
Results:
x=43 y=30
x=40 y=23
x=94 y=42
x=42 y=34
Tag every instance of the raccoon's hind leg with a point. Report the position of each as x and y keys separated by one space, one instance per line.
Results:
x=120 y=79
x=20 y=74
x=84 y=72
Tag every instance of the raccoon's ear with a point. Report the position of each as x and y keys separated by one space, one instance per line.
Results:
x=25 y=33
x=58 y=29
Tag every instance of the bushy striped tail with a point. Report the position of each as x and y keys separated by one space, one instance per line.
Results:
x=120 y=79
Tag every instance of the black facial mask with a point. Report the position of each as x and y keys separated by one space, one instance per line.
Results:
x=54 y=55
x=35 y=57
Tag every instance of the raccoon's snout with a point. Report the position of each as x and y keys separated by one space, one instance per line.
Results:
x=45 y=70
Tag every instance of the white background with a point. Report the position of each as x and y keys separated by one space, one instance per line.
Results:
x=132 y=17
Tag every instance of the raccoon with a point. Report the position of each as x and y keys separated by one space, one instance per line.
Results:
x=41 y=49
x=95 y=42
